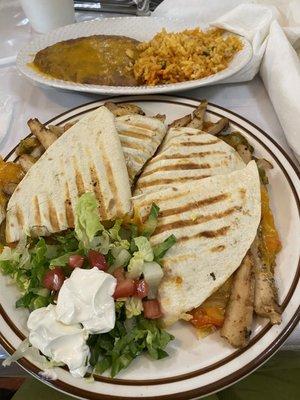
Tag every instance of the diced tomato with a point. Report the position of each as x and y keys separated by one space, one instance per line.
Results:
x=152 y=309
x=97 y=260
x=124 y=288
x=54 y=278
x=119 y=274
x=142 y=289
x=76 y=261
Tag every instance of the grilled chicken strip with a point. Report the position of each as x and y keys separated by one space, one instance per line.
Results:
x=26 y=161
x=198 y=116
x=239 y=311
x=265 y=298
x=123 y=109
x=181 y=122
x=218 y=127
x=160 y=117
x=45 y=135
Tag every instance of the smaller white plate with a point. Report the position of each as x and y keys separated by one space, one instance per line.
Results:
x=140 y=28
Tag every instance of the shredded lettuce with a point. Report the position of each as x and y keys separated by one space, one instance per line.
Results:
x=121 y=256
x=101 y=243
x=115 y=230
x=160 y=250
x=133 y=307
x=61 y=261
x=135 y=266
x=144 y=248
x=116 y=349
x=151 y=223
x=124 y=245
x=87 y=221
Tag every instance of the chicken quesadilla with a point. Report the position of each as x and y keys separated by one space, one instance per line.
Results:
x=216 y=217
x=187 y=155
x=140 y=136
x=196 y=241
x=87 y=158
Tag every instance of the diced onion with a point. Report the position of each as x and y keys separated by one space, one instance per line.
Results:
x=153 y=274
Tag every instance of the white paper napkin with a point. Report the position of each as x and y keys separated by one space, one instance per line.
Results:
x=273 y=52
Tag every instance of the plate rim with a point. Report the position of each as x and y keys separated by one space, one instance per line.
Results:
x=123 y=90
x=252 y=364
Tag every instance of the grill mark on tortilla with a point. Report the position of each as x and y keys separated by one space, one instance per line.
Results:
x=166 y=261
x=78 y=178
x=68 y=207
x=139 y=125
x=97 y=190
x=20 y=217
x=111 y=204
x=190 y=155
x=131 y=145
x=166 y=181
x=196 y=204
x=205 y=234
x=37 y=212
x=139 y=160
x=242 y=193
x=188 y=144
x=52 y=215
x=148 y=202
x=133 y=134
x=199 y=220
x=111 y=181
x=176 y=167
x=218 y=249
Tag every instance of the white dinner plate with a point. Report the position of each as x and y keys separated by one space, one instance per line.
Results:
x=194 y=367
x=140 y=28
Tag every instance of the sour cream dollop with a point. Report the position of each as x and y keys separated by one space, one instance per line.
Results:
x=87 y=298
x=59 y=342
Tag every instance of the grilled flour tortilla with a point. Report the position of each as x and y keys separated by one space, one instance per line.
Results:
x=187 y=155
x=214 y=220
x=140 y=137
x=87 y=158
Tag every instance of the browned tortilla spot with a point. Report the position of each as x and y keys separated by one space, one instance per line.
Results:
x=178 y=280
x=68 y=207
x=199 y=143
x=140 y=125
x=111 y=204
x=218 y=249
x=199 y=220
x=78 y=178
x=166 y=181
x=190 y=155
x=195 y=205
x=97 y=191
x=206 y=234
x=53 y=216
x=111 y=182
x=176 y=167
x=20 y=217
x=242 y=193
x=133 y=134
x=172 y=196
x=37 y=213
x=132 y=145
x=136 y=158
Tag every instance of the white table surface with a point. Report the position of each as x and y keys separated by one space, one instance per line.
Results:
x=247 y=99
